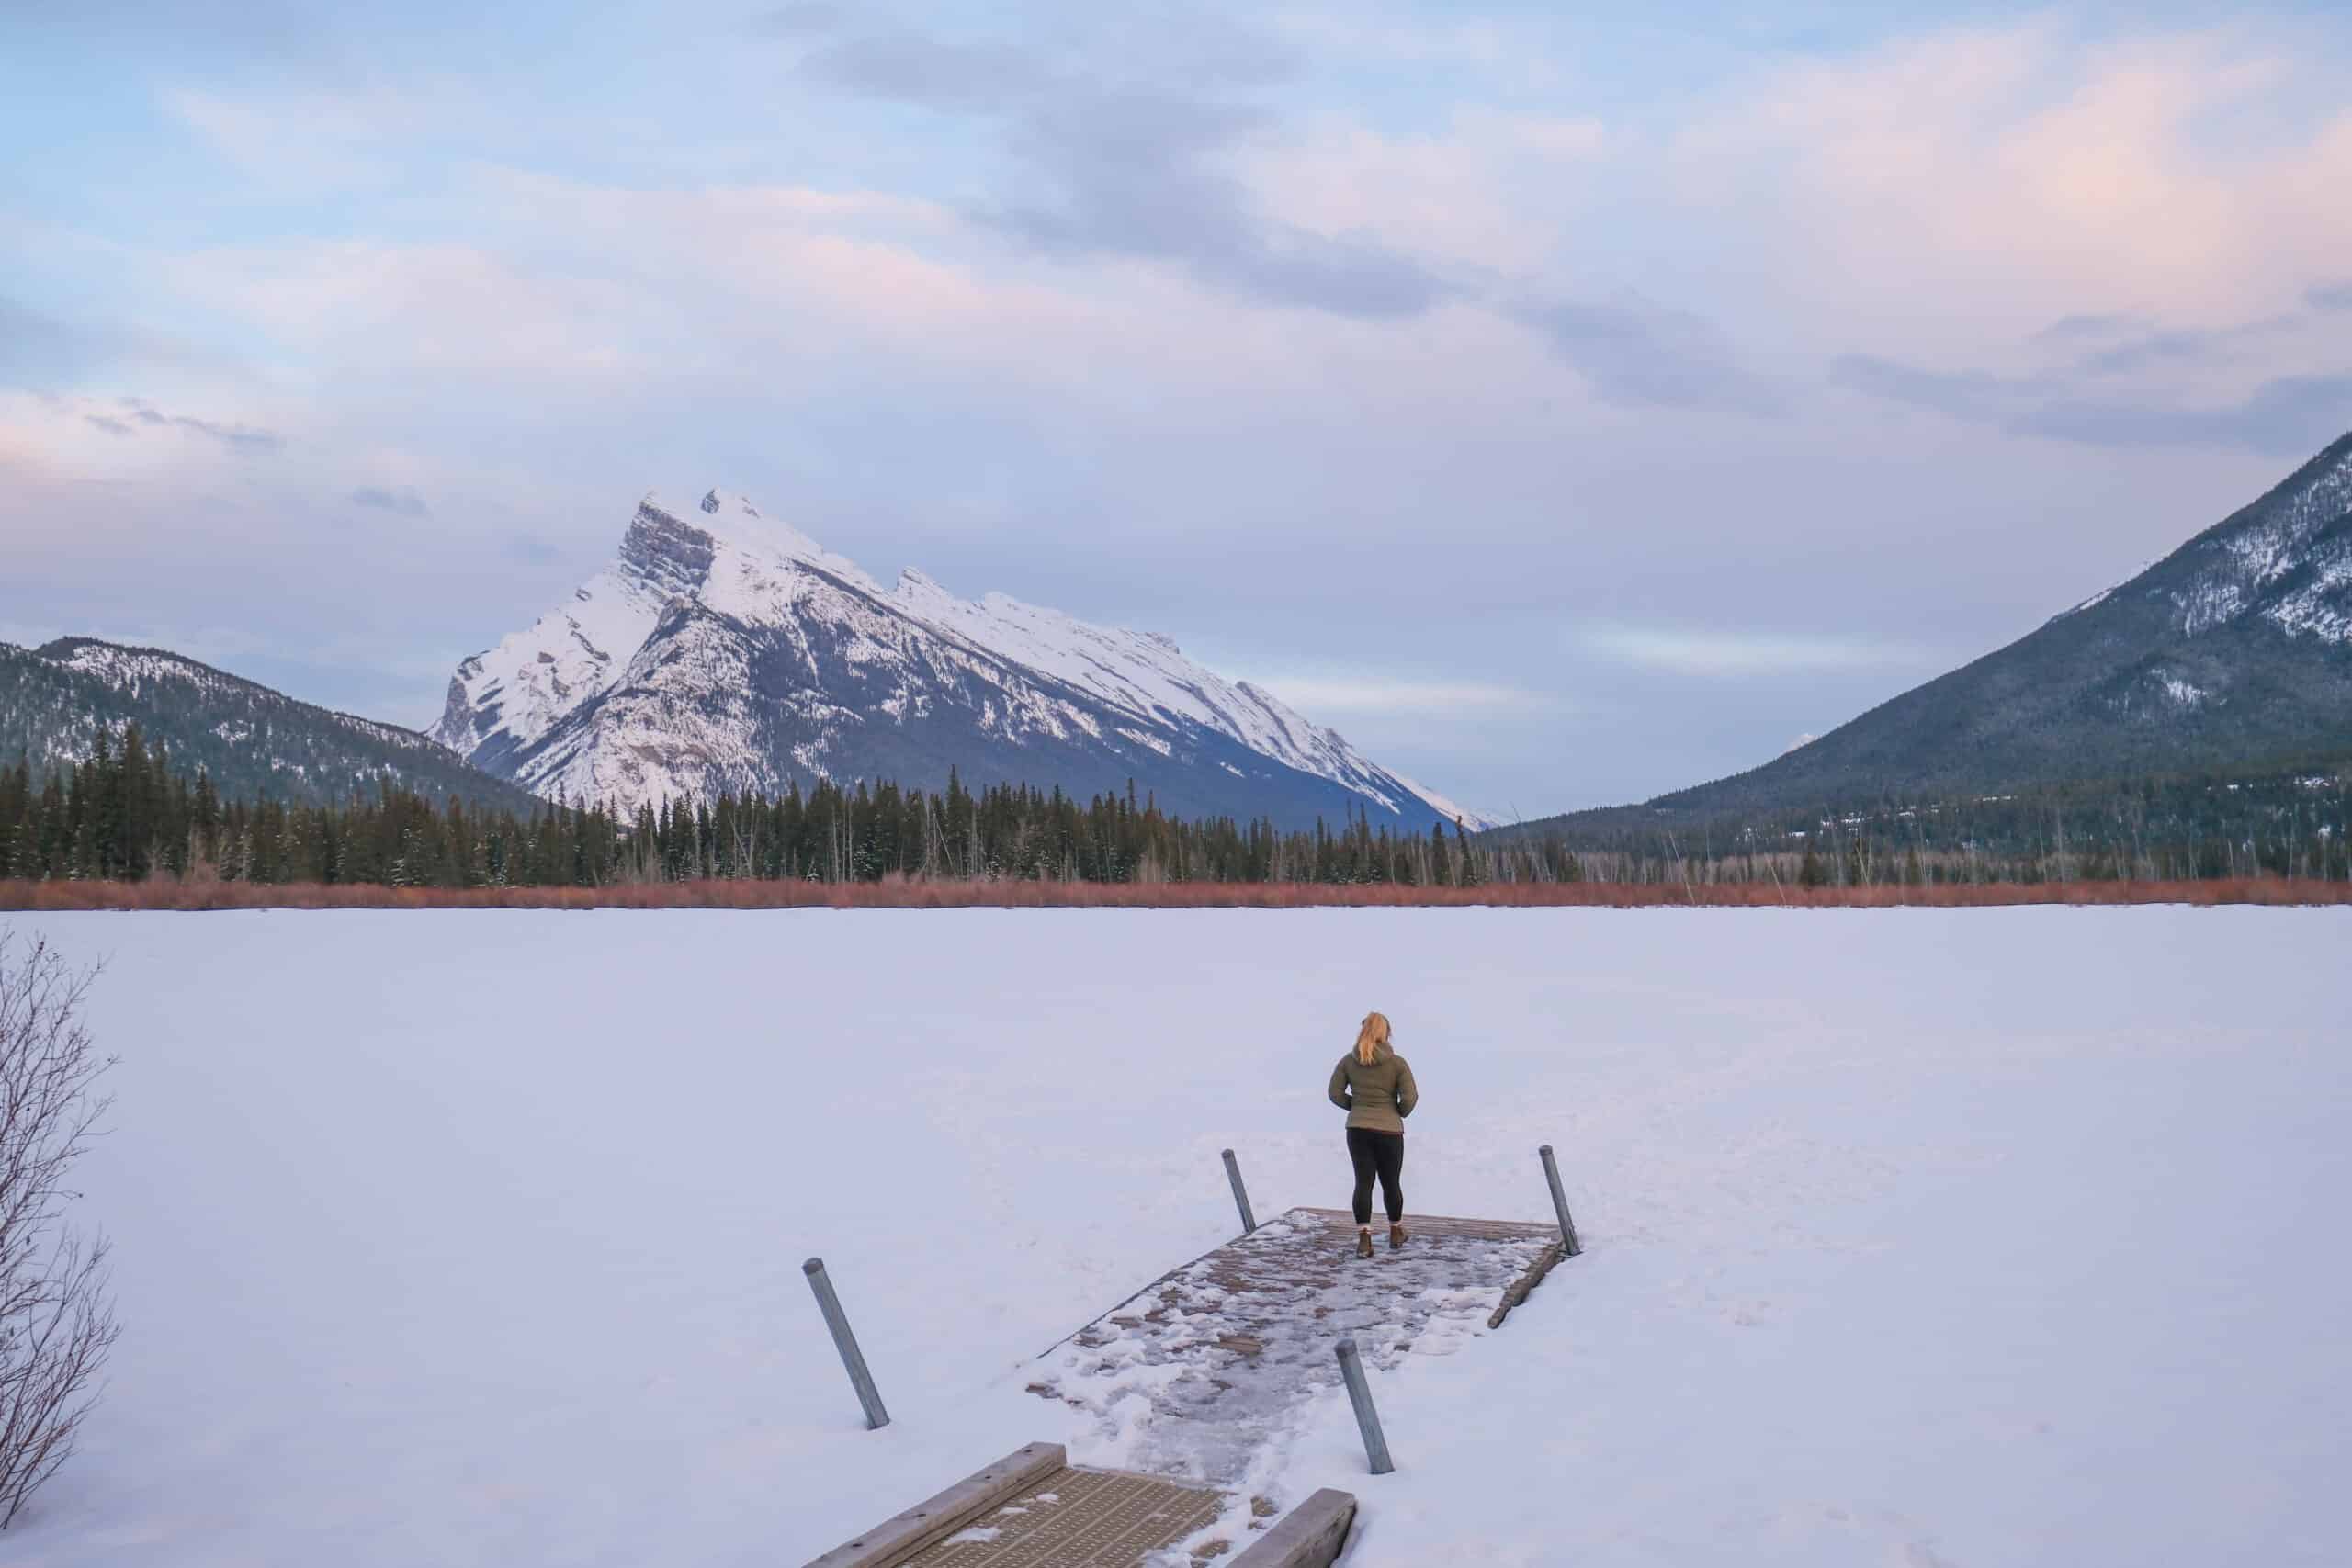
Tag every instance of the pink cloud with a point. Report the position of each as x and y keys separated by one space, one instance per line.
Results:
x=1982 y=181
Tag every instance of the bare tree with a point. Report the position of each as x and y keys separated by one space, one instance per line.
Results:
x=56 y=1313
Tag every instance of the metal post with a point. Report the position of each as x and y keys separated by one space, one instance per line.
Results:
x=846 y=1343
x=1240 y=1194
x=1560 y=1203
x=1375 y=1442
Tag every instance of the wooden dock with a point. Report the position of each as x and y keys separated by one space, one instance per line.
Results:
x=1227 y=1350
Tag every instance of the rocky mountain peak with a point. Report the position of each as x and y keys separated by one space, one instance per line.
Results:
x=665 y=552
x=725 y=649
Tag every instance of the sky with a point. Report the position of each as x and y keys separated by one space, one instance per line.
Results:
x=1565 y=408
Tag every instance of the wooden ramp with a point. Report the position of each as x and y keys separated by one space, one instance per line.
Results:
x=1033 y=1509
x=1080 y=1518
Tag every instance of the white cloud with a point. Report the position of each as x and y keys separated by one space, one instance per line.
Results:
x=1683 y=651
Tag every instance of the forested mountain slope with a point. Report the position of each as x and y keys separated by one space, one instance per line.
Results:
x=2234 y=650
x=255 y=743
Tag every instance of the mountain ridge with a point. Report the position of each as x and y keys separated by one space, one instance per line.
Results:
x=2232 y=648
x=253 y=739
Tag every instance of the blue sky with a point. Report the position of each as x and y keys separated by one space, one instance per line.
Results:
x=1565 y=408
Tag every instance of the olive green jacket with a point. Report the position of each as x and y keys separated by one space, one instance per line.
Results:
x=1378 y=1097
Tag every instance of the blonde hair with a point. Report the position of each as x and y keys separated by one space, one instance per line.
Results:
x=1373 y=1035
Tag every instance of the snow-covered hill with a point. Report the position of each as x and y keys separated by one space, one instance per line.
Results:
x=724 y=649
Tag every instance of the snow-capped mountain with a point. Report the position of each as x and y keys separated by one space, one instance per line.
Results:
x=725 y=651
x=255 y=742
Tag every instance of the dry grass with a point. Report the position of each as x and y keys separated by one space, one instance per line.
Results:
x=914 y=894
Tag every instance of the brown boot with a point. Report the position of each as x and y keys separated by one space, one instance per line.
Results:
x=1396 y=1235
x=1364 y=1242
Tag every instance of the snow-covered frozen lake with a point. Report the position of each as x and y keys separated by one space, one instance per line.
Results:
x=1916 y=1238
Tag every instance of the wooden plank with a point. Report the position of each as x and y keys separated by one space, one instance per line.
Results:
x=1310 y=1535
x=902 y=1535
x=1098 y=1518
x=1517 y=1292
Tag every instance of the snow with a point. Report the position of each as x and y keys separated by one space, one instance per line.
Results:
x=131 y=668
x=653 y=745
x=1146 y=740
x=538 y=675
x=2285 y=535
x=1146 y=674
x=1191 y=1378
x=2322 y=607
x=2184 y=694
x=1445 y=806
x=733 y=521
x=1913 y=1238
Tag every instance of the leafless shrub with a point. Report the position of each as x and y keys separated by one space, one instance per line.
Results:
x=56 y=1313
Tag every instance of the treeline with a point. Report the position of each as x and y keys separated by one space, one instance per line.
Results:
x=2282 y=820
x=125 y=814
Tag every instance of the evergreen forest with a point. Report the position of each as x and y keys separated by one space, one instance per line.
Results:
x=126 y=813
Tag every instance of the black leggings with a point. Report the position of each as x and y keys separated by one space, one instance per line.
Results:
x=1381 y=1154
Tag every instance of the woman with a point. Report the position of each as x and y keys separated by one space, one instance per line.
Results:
x=1375 y=1087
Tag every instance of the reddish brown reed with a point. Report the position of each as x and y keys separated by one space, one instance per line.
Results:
x=163 y=893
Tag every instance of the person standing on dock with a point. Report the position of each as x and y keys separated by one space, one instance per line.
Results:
x=1375 y=1087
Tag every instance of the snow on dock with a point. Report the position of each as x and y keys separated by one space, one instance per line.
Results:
x=1197 y=1369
